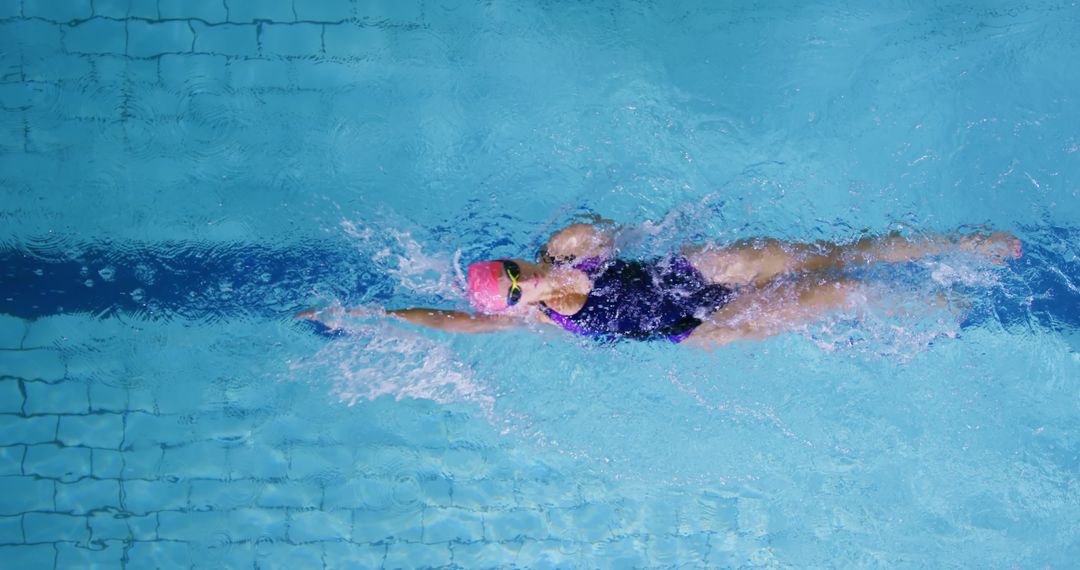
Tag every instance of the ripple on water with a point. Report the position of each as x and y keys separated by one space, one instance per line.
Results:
x=211 y=128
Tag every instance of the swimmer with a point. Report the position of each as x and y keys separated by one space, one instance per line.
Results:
x=706 y=295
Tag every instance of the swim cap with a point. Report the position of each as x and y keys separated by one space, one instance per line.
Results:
x=484 y=291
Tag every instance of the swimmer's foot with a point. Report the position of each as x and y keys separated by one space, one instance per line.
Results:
x=998 y=247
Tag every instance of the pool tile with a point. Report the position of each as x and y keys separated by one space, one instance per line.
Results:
x=107 y=398
x=206 y=10
x=63 y=463
x=159 y=554
x=52 y=527
x=289 y=556
x=540 y=554
x=142 y=497
x=378 y=493
x=309 y=526
x=28 y=556
x=515 y=524
x=546 y=493
x=220 y=554
x=142 y=462
x=222 y=495
x=436 y=490
x=106 y=463
x=57 y=10
x=291 y=39
x=295 y=494
x=12 y=331
x=466 y=463
x=191 y=526
x=260 y=73
x=54 y=330
x=493 y=493
x=23 y=494
x=11 y=9
x=483 y=554
x=324 y=10
x=87 y=495
x=11 y=458
x=149 y=430
x=94 y=430
x=122 y=526
x=200 y=459
x=376 y=525
x=326 y=75
x=11 y=397
x=348 y=40
x=226 y=39
x=12 y=127
x=151 y=39
x=562 y=524
x=103 y=555
x=347 y=494
x=34 y=37
x=258 y=461
x=145 y=9
x=253 y=524
x=348 y=555
x=720 y=555
x=595 y=522
x=11 y=530
x=452 y=524
x=59 y=398
x=54 y=67
x=96 y=35
x=400 y=12
x=406 y=555
x=117 y=9
x=319 y=461
x=264 y=10
x=116 y=70
x=180 y=71
x=32 y=364
x=142 y=399
x=627 y=552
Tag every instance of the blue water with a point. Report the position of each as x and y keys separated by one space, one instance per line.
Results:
x=178 y=178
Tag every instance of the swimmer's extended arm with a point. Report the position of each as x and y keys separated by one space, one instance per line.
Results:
x=455 y=321
x=579 y=241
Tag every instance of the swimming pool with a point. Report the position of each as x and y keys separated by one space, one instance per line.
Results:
x=246 y=158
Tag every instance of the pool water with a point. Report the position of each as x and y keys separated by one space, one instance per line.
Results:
x=179 y=178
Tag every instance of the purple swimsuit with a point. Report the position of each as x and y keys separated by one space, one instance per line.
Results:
x=642 y=300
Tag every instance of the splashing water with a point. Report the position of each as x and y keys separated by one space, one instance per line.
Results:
x=404 y=259
x=380 y=359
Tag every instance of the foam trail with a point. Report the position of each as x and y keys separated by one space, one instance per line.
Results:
x=380 y=359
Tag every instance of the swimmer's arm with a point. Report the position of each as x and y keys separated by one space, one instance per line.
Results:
x=579 y=241
x=455 y=321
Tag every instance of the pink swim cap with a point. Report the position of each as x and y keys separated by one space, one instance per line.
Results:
x=484 y=291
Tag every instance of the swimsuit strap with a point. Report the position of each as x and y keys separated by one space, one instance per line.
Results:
x=564 y=321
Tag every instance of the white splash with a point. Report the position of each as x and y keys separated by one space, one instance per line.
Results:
x=403 y=258
x=379 y=359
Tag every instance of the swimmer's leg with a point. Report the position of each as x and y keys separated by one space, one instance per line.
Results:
x=756 y=262
x=763 y=312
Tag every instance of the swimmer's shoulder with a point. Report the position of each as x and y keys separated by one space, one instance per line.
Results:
x=578 y=242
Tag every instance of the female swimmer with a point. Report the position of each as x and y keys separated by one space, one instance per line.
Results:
x=707 y=295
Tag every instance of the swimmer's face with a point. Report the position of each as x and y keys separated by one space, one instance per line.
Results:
x=512 y=271
x=519 y=281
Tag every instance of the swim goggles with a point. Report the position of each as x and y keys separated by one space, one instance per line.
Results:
x=513 y=271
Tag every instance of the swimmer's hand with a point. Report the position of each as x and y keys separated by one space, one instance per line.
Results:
x=331 y=316
x=308 y=315
x=454 y=321
x=998 y=247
